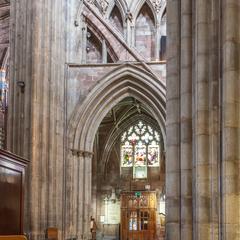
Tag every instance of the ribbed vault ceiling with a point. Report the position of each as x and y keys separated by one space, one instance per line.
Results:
x=124 y=110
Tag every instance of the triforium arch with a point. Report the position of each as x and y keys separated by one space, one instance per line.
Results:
x=117 y=12
x=126 y=81
x=122 y=7
x=137 y=8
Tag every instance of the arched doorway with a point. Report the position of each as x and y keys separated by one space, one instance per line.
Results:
x=128 y=173
x=128 y=81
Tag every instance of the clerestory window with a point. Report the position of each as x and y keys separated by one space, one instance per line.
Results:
x=140 y=149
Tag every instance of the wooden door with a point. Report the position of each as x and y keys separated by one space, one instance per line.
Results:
x=138 y=216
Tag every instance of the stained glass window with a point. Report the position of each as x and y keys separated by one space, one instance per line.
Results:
x=140 y=149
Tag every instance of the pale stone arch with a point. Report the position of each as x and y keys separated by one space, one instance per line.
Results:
x=145 y=32
x=124 y=81
x=127 y=80
x=122 y=12
x=122 y=6
x=137 y=8
x=90 y=24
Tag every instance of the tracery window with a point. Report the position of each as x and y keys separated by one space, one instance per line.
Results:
x=140 y=149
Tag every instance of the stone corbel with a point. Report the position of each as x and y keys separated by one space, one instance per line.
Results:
x=81 y=153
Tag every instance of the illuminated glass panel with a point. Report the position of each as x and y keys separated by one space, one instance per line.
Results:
x=140 y=154
x=133 y=221
x=153 y=155
x=127 y=155
x=140 y=148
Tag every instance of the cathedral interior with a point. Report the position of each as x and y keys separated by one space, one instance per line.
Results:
x=119 y=120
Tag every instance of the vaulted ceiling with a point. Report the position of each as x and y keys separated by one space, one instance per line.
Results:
x=124 y=114
x=124 y=110
x=4 y=32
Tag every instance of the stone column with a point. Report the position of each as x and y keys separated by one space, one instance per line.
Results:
x=173 y=213
x=128 y=30
x=72 y=194
x=186 y=120
x=193 y=109
x=79 y=194
x=231 y=119
x=214 y=116
x=157 y=37
x=104 y=51
x=95 y=172
x=201 y=153
x=84 y=41
x=87 y=194
x=36 y=115
x=206 y=120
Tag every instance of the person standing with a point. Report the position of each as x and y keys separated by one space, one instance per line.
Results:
x=93 y=228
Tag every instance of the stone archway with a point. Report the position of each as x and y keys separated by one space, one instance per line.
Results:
x=127 y=80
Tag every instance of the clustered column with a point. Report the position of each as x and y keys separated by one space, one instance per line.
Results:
x=36 y=112
x=203 y=105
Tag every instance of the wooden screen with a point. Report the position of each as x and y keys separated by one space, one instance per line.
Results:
x=138 y=216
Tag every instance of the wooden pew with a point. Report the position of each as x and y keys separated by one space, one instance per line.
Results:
x=13 y=237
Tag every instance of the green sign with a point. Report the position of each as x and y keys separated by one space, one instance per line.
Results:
x=138 y=194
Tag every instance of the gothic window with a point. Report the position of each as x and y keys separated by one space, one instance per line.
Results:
x=140 y=149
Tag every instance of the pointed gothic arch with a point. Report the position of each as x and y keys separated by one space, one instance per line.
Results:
x=116 y=18
x=95 y=29
x=124 y=81
x=127 y=80
x=122 y=6
x=145 y=32
x=137 y=8
x=94 y=48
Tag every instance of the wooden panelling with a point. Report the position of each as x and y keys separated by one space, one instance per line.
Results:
x=12 y=176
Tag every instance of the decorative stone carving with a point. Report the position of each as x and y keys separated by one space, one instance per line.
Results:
x=103 y=5
x=129 y=16
x=158 y=4
x=91 y=1
x=81 y=153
